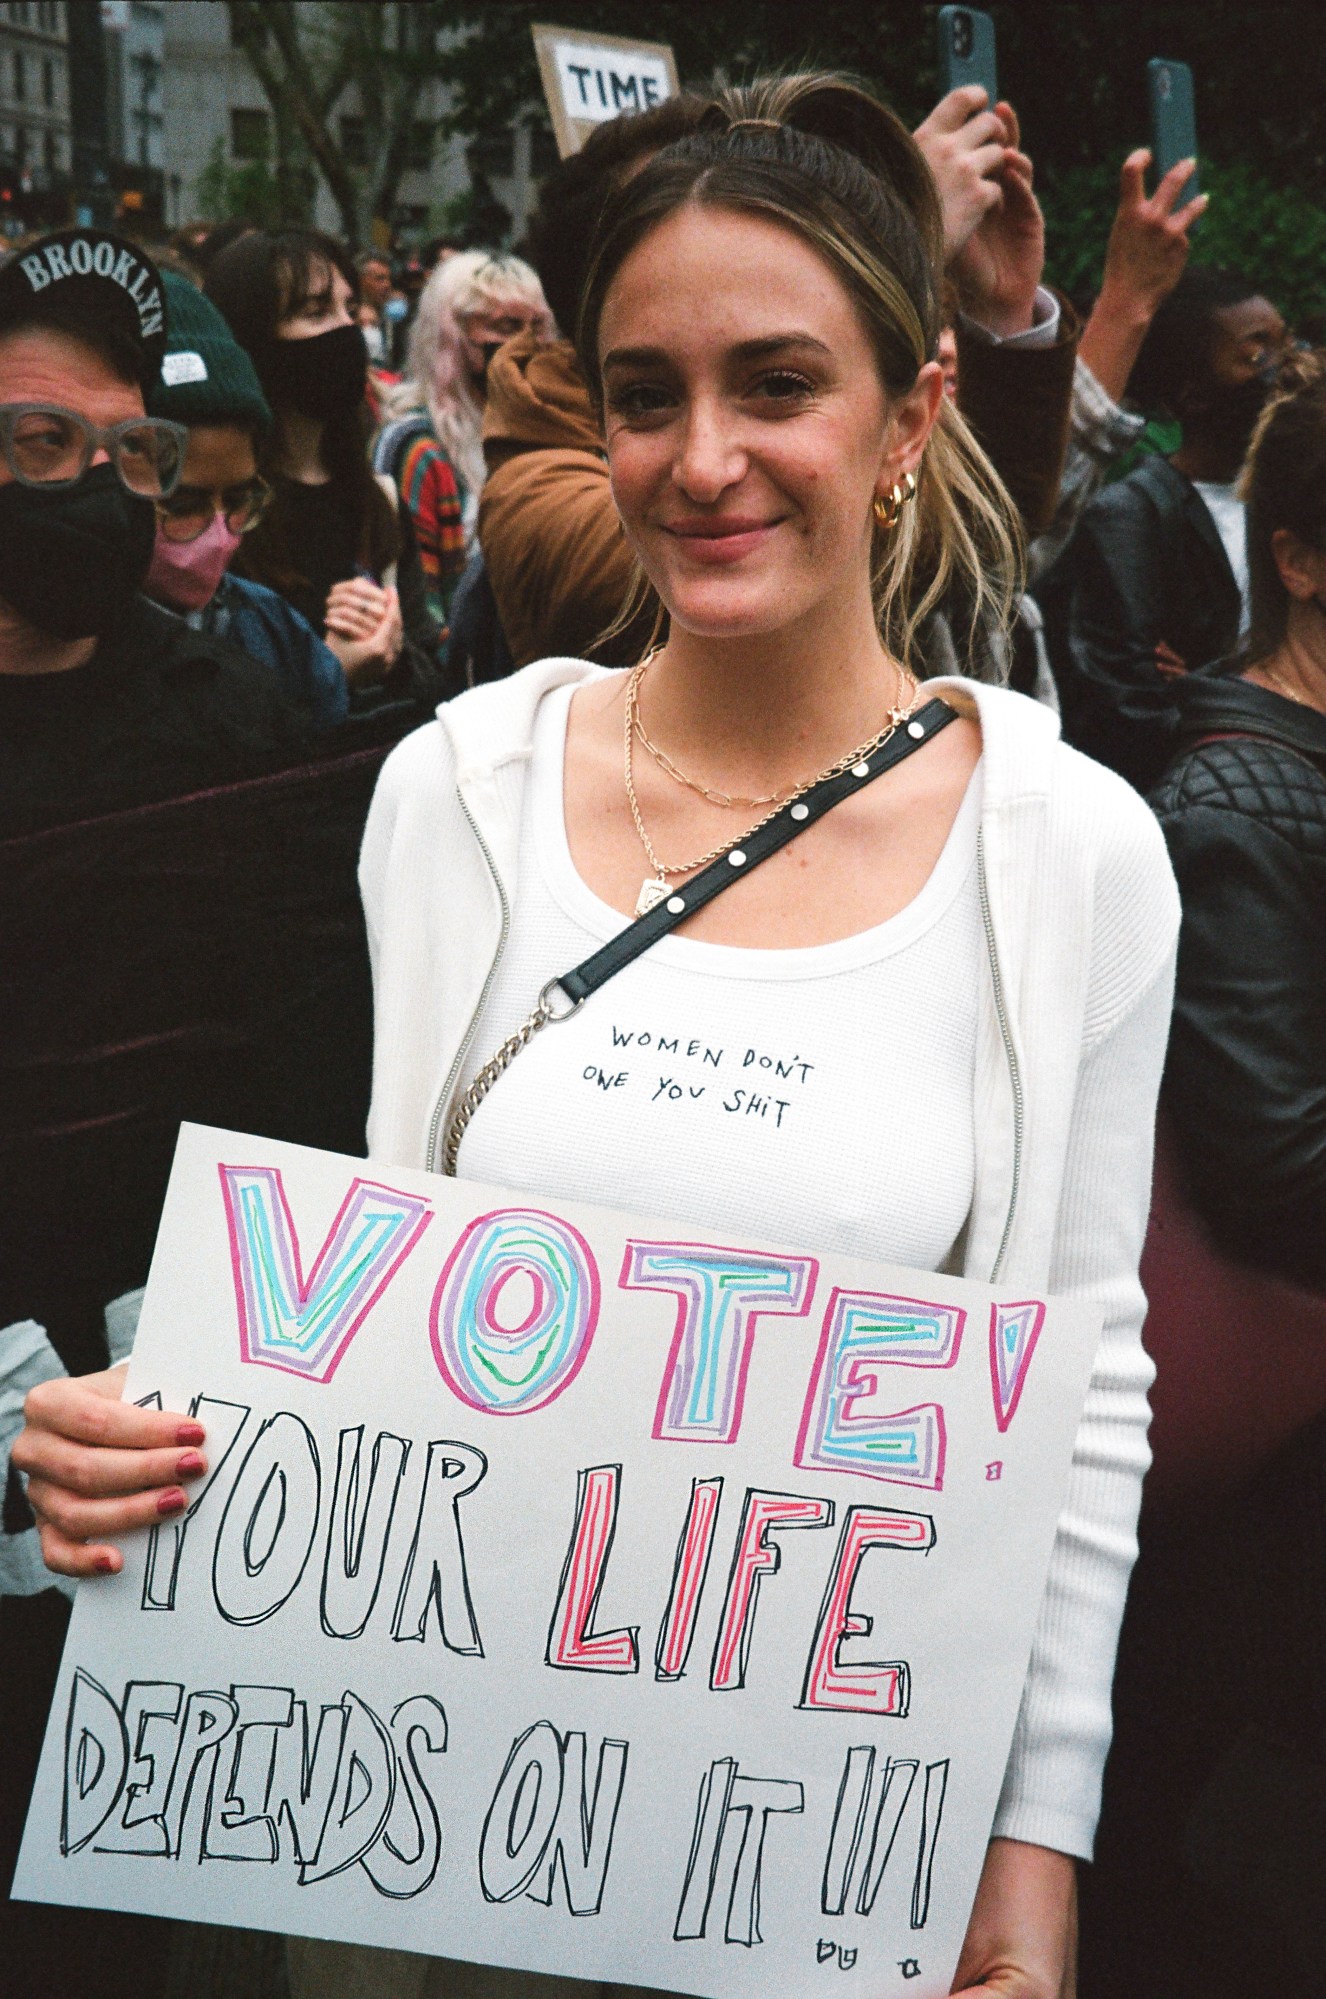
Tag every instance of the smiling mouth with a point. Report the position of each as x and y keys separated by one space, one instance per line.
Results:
x=716 y=530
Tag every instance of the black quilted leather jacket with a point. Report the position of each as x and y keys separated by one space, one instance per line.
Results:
x=1244 y=817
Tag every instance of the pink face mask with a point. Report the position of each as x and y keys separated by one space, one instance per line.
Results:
x=186 y=574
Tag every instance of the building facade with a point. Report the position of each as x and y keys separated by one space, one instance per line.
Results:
x=34 y=112
x=217 y=122
x=134 y=40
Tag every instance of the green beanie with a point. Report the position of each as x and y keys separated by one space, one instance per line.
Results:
x=206 y=377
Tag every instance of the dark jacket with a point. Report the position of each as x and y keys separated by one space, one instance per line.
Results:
x=261 y=623
x=1245 y=821
x=157 y=712
x=1146 y=566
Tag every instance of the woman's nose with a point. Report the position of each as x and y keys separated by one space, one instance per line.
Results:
x=710 y=457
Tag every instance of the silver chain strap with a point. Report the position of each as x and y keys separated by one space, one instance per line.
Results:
x=542 y=1015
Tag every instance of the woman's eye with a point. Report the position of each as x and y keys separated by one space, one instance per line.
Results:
x=639 y=399
x=783 y=386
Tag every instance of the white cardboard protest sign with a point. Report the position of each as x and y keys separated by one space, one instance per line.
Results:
x=566 y=1592
x=589 y=78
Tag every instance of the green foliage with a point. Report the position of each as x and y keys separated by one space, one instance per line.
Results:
x=1255 y=224
x=248 y=192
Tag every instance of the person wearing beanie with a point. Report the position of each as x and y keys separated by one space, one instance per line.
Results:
x=107 y=702
x=208 y=384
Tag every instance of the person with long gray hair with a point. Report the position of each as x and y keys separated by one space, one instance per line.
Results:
x=432 y=441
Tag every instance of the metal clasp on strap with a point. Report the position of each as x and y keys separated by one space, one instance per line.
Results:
x=545 y=1005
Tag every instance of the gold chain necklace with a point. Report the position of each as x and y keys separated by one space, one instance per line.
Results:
x=728 y=799
x=656 y=886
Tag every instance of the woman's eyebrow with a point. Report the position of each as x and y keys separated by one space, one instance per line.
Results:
x=743 y=350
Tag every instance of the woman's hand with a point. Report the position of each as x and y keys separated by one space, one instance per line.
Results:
x=999 y=268
x=1021 y=1941
x=963 y=144
x=364 y=628
x=97 y=1467
x=1144 y=260
x=1148 y=247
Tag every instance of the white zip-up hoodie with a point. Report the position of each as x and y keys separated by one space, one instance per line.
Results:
x=1081 y=918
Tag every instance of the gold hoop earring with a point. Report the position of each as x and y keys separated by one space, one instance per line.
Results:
x=888 y=507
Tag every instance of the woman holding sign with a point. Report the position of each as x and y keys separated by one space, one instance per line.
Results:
x=932 y=946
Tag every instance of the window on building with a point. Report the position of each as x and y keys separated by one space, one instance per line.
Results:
x=52 y=155
x=48 y=83
x=21 y=148
x=249 y=134
x=354 y=142
x=419 y=148
x=492 y=154
x=20 y=77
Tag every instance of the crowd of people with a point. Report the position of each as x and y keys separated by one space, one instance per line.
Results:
x=775 y=428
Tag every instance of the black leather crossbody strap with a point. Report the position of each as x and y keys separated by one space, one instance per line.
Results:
x=776 y=833
x=577 y=985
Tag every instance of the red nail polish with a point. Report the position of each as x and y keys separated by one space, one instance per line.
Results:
x=190 y=1465
x=190 y=1433
x=173 y=1501
x=105 y=1564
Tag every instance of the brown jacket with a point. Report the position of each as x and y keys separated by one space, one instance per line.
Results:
x=1019 y=401
x=559 y=564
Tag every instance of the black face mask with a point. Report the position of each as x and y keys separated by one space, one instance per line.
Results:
x=73 y=558
x=321 y=377
x=1230 y=414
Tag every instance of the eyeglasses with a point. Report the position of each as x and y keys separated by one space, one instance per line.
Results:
x=45 y=445
x=189 y=512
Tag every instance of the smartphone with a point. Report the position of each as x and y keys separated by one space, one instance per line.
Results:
x=1173 y=120
x=967 y=50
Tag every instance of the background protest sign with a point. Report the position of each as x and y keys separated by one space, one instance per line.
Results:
x=588 y=79
x=566 y=1592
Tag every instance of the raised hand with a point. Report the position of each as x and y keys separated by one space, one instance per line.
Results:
x=1144 y=260
x=964 y=144
x=999 y=268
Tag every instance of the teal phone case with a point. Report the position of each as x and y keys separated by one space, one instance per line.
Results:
x=967 y=50
x=1173 y=119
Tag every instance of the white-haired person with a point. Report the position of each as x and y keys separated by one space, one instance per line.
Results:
x=431 y=443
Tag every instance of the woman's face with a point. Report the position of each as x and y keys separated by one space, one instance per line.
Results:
x=326 y=304
x=485 y=329
x=748 y=429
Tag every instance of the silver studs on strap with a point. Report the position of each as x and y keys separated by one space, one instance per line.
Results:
x=861 y=770
x=916 y=730
x=675 y=905
x=800 y=812
x=737 y=858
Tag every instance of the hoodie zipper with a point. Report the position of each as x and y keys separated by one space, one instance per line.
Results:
x=439 y=1109
x=1014 y=1071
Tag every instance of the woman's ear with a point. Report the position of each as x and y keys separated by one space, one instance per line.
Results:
x=911 y=421
x=1302 y=568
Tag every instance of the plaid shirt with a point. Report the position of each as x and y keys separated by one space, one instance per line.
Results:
x=1100 y=433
